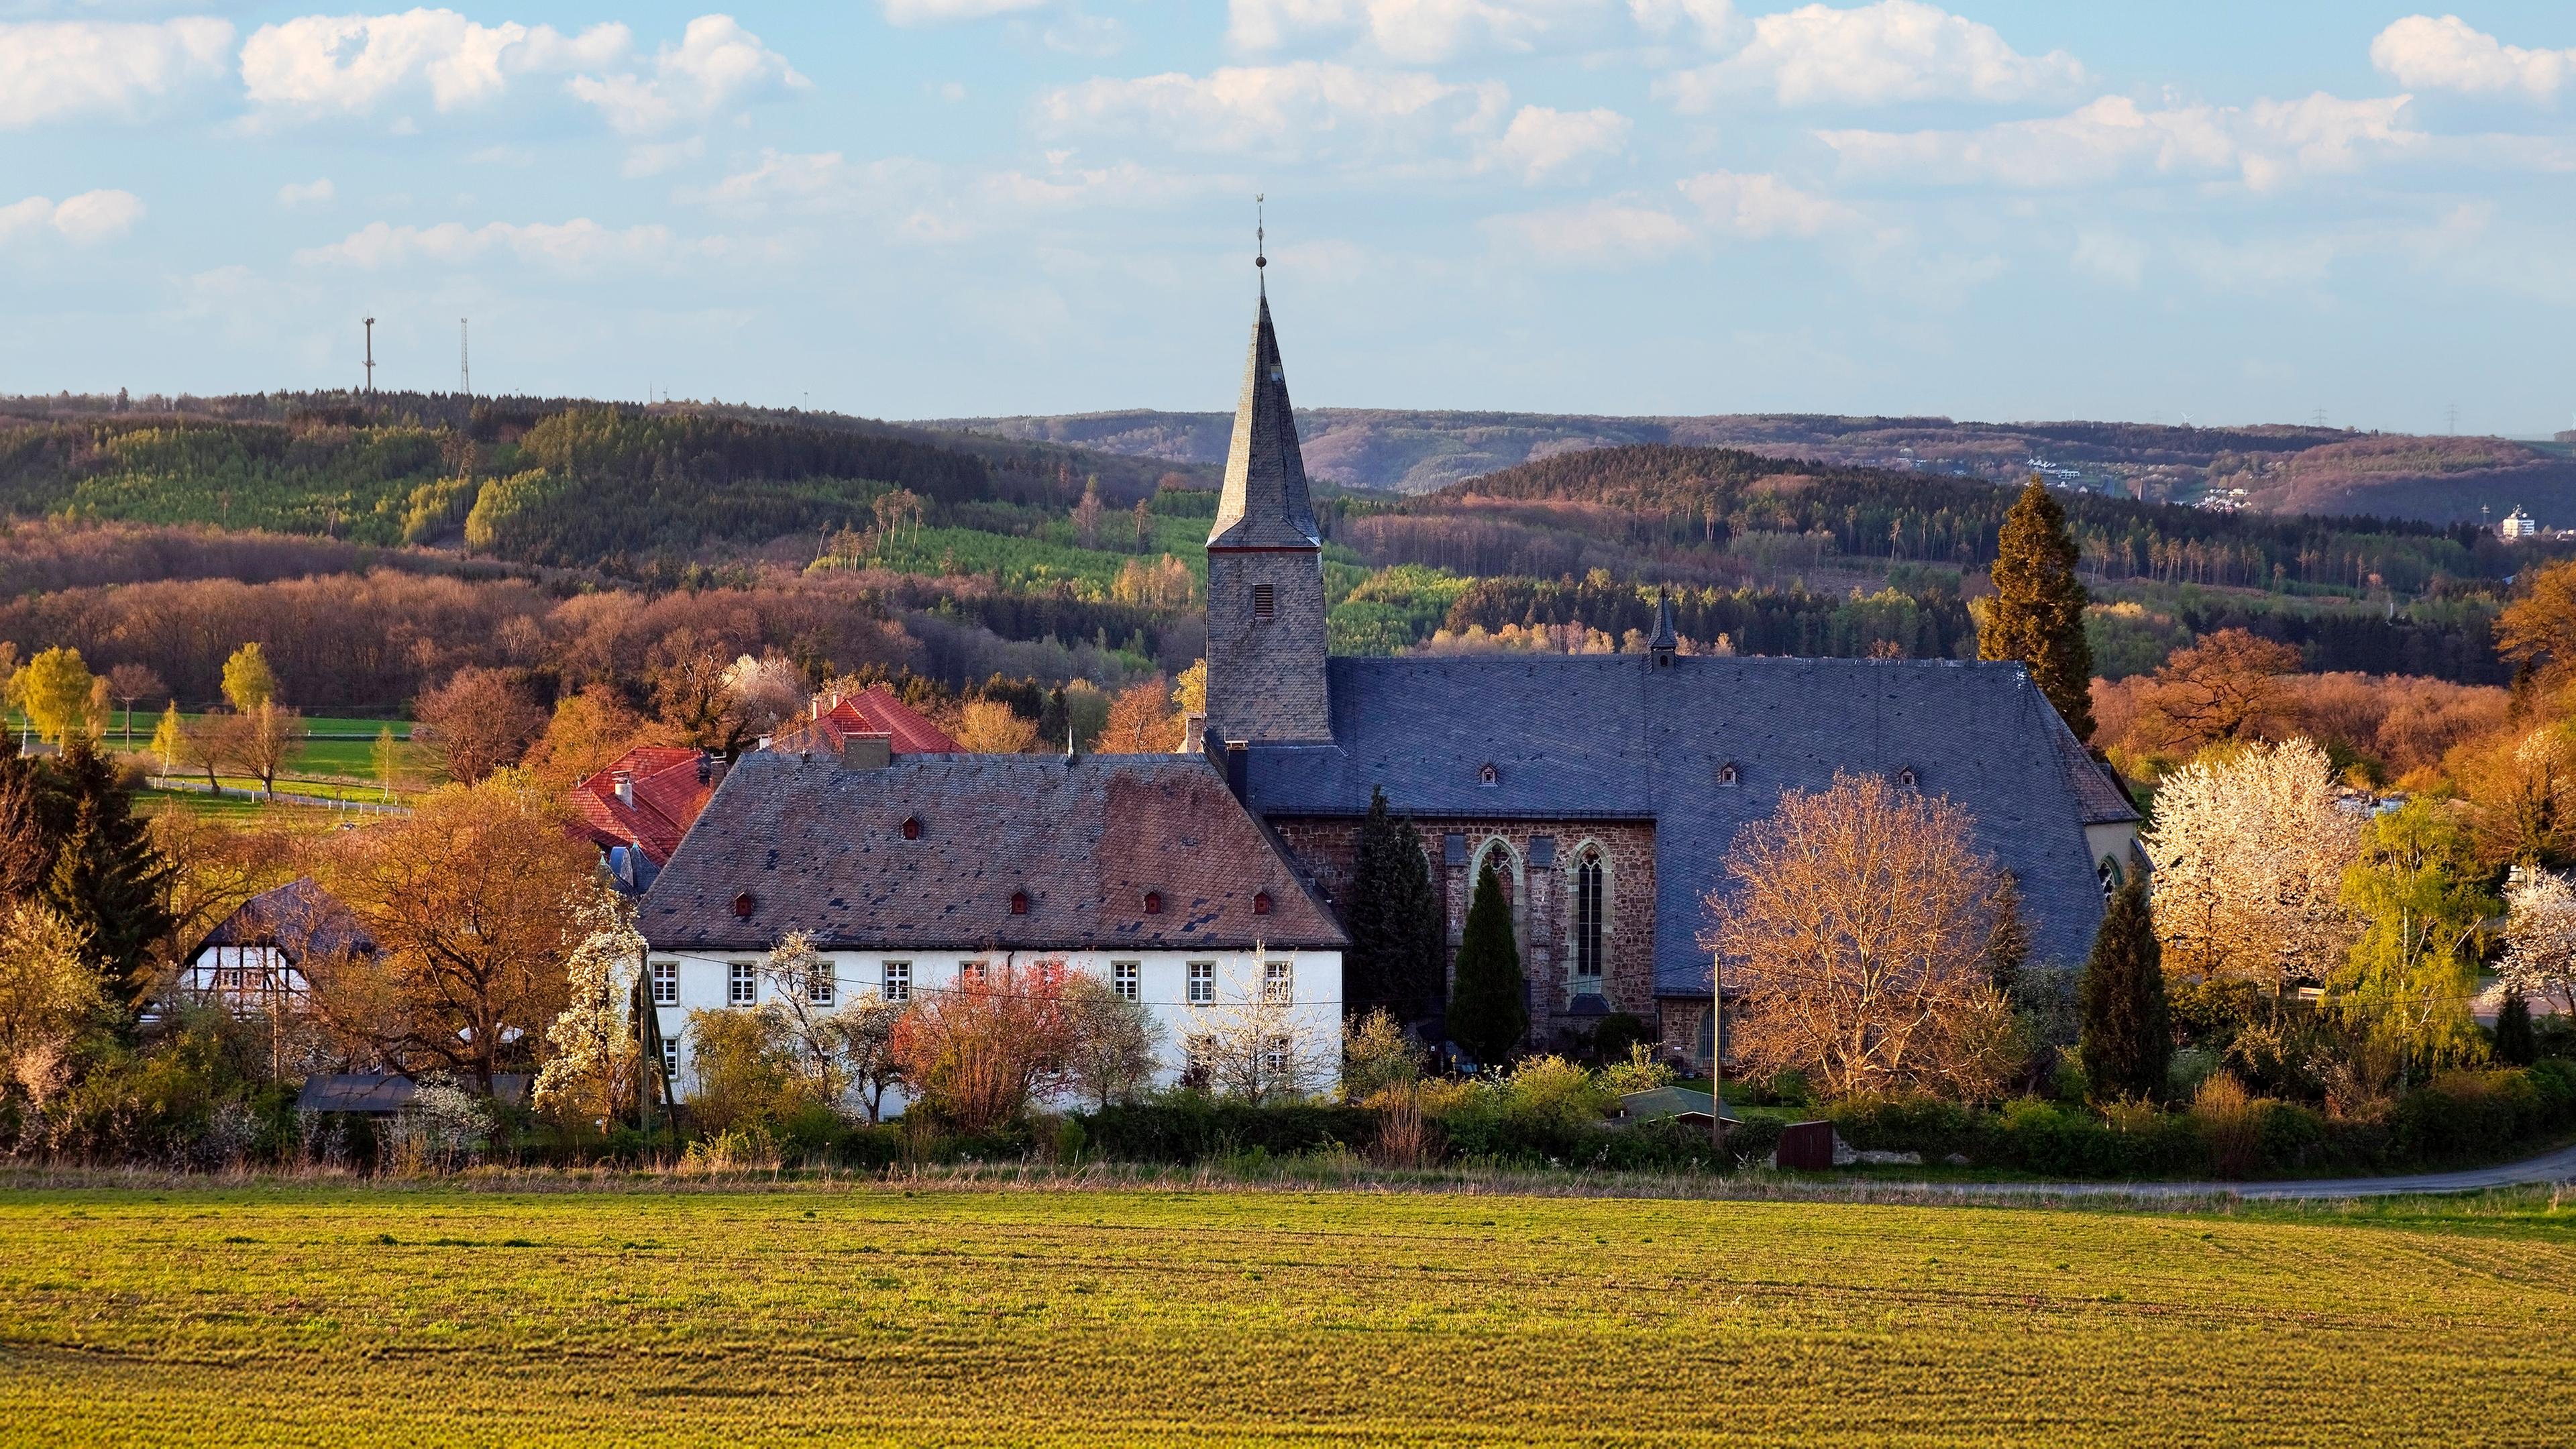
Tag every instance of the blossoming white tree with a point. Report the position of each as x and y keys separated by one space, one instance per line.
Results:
x=591 y=1068
x=2249 y=857
x=2541 y=929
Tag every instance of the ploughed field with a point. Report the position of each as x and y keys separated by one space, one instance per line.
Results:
x=294 y=1315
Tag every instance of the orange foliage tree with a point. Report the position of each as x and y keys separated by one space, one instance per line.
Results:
x=980 y=1051
x=1141 y=721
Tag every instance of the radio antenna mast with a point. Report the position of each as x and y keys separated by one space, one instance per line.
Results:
x=464 y=361
x=371 y=357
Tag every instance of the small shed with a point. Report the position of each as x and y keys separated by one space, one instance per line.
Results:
x=1682 y=1104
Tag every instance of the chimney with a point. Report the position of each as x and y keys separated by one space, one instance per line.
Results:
x=626 y=789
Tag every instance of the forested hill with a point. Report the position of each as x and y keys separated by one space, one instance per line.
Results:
x=533 y=480
x=1731 y=499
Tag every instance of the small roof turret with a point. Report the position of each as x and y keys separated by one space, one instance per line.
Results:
x=1666 y=640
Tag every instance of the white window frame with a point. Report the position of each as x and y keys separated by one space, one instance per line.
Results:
x=822 y=983
x=895 y=981
x=1279 y=982
x=1126 y=979
x=742 y=983
x=671 y=1056
x=1275 y=1052
x=1202 y=979
x=666 y=982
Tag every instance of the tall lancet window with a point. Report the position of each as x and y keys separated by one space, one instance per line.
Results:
x=1590 y=920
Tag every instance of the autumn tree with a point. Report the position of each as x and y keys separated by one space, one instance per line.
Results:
x=1086 y=514
x=693 y=692
x=1394 y=917
x=1114 y=1044
x=2127 y=1034
x=2037 y=613
x=2538 y=630
x=170 y=743
x=1141 y=721
x=991 y=727
x=979 y=1052
x=2225 y=687
x=1189 y=689
x=479 y=721
x=588 y=731
x=1488 y=996
x=248 y=681
x=55 y=690
x=129 y=682
x=2249 y=856
x=474 y=899
x=2410 y=973
x=801 y=995
x=49 y=998
x=1853 y=925
x=255 y=741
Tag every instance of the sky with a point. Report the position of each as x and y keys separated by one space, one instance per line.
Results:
x=2004 y=210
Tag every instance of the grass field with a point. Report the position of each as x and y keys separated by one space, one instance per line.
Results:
x=295 y=1315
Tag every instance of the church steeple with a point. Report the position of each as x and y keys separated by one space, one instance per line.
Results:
x=1265 y=615
x=1666 y=640
x=1265 y=503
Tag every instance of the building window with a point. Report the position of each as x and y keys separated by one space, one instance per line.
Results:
x=1202 y=983
x=1274 y=1059
x=912 y=827
x=898 y=981
x=1488 y=775
x=742 y=984
x=1727 y=776
x=1261 y=903
x=1153 y=903
x=1590 y=881
x=666 y=983
x=2109 y=872
x=1123 y=978
x=972 y=971
x=1265 y=603
x=1905 y=777
x=671 y=1056
x=820 y=983
x=1195 y=1051
x=1278 y=981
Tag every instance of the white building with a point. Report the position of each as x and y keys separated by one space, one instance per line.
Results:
x=1141 y=871
x=2517 y=524
x=254 y=960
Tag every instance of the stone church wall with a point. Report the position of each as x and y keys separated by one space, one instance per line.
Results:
x=1537 y=864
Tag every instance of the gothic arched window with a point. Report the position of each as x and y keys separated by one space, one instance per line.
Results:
x=1591 y=914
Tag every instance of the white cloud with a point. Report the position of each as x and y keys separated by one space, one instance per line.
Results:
x=1305 y=110
x=1896 y=50
x=2266 y=144
x=935 y=12
x=579 y=245
x=716 y=64
x=50 y=70
x=1635 y=228
x=306 y=193
x=1758 y=206
x=1415 y=31
x=2448 y=55
x=652 y=158
x=348 y=64
x=1713 y=23
x=1541 y=143
x=92 y=216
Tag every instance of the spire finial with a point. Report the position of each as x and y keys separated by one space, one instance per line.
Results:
x=1260 y=242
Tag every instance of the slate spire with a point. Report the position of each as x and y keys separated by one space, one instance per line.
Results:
x=1265 y=504
x=1666 y=639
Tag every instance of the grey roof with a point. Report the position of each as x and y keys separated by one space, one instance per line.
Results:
x=1265 y=503
x=373 y=1092
x=1609 y=737
x=299 y=918
x=2098 y=792
x=820 y=848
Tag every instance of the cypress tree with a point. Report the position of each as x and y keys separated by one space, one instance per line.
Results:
x=1394 y=920
x=1489 y=1005
x=2127 y=1034
x=2037 y=613
x=2008 y=941
x=2514 y=1043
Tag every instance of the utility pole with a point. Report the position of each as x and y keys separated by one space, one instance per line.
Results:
x=371 y=357
x=1717 y=1057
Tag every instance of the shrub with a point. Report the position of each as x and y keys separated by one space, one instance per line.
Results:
x=1188 y=1126
x=2231 y=1123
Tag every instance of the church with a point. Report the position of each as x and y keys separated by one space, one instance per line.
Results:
x=1604 y=790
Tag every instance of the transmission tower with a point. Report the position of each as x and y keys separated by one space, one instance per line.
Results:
x=2319 y=416
x=2453 y=415
x=371 y=357
x=464 y=362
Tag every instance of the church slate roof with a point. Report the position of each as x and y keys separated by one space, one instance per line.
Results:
x=811 y=845
x=1265 y=503
x=1610 y=737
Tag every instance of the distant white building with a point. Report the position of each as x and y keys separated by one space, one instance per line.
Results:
x=2518 y=524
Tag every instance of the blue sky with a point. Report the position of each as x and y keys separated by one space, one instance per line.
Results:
x=911 y=208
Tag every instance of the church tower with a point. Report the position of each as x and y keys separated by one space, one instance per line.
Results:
x=1265 y=660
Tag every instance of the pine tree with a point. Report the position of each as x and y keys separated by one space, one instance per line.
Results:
x=1489 y=1004
x=2514 y=1043
x=2037 y=614
x=2127 y=1034
x=105 y=877
x=1394 y=920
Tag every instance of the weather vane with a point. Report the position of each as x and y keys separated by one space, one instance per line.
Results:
x=1260 y=232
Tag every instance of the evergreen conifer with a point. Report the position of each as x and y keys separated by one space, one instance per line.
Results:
x=1489 y=1004
x=1394 y=921
x=2514 y=1042
x=104 y=876
x=2008 y=941
x=2127 y=1033
x=2037 y=613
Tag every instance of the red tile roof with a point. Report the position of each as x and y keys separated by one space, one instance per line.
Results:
x=871 y=711
x=668 y=792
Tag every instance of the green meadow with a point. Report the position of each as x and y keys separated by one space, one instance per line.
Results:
x=865 y=1312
